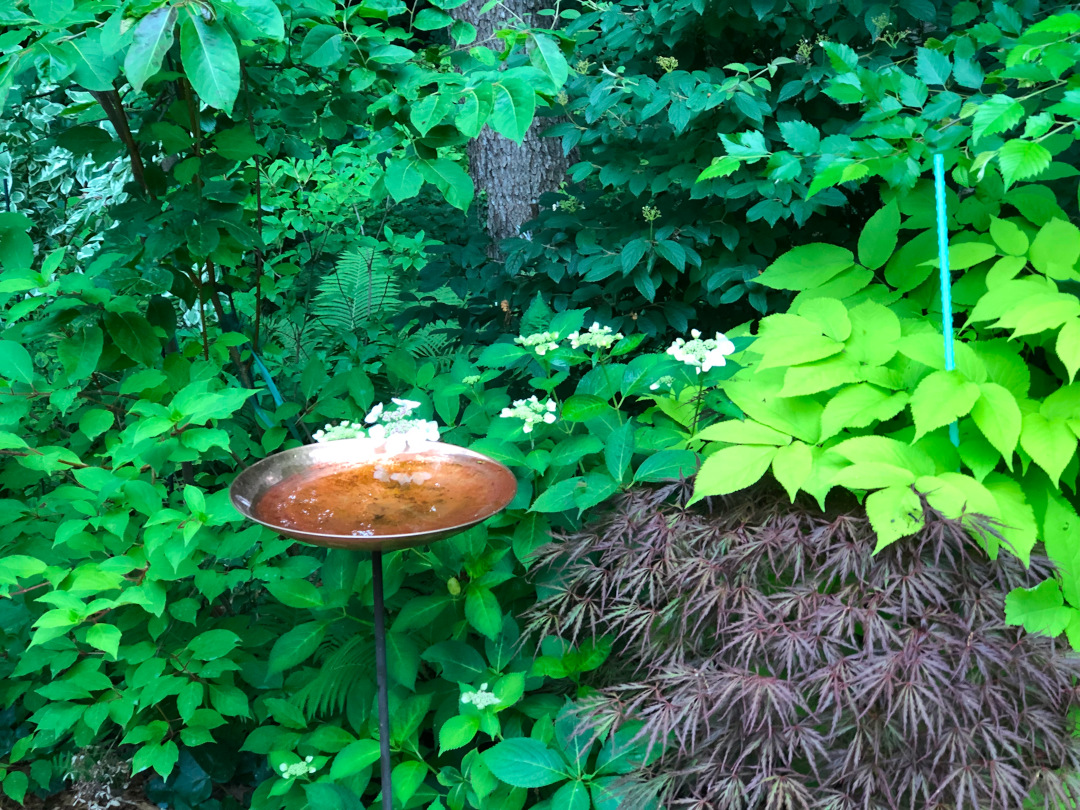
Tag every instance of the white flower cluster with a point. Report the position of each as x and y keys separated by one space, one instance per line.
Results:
x=297 y=769
x=664 y=382
x=541 y=342
x=481 y=699
x=702 y=354
x=395 y=428
x=598 y=337
x=531 y=411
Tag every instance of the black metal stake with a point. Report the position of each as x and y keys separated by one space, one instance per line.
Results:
x=383 y=681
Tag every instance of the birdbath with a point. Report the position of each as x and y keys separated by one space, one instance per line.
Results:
x=356 y=494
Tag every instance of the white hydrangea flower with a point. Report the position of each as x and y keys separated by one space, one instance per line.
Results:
x=597 y=337
x=541 y=342
x=702 y=354
x=663 y=382
x=532 y=412
x=395 y=428
x=481 y=699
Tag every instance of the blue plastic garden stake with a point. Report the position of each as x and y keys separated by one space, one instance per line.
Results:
x=946 y=278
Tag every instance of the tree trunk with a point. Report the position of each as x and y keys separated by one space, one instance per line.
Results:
x=513 y=176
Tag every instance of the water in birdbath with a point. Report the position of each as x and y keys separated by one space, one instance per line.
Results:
x=377 y=497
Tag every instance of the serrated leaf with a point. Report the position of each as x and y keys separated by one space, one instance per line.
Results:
x=997 y=415
x=941 y=398
x=998 y=113
x=1021 y=160
x=933 y=67
x=525 y=763
x=1039 y=610
x=1067 y=347
x=877 y=242
x=1049 y=442
x=807 y=267
x=458 y=732
x=731 y=469
x=894 y=512
x=791 y=466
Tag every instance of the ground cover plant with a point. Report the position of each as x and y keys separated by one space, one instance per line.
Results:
x=779 y=662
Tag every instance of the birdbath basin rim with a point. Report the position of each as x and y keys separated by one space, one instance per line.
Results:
x=491 y=486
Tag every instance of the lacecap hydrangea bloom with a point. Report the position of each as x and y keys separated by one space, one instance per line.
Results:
x=702 y=354
x=396 y=428
x=481 y=699
x=541 y=342
x=531 y=411
x=597 y=337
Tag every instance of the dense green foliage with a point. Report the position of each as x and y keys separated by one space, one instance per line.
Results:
x=225 y=224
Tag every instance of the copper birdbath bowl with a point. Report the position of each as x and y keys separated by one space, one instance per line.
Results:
x=353 y=494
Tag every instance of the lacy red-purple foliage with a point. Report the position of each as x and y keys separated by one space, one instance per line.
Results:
x=788 y=667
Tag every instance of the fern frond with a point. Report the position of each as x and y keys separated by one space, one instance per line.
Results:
x=361 y=288
x=433 y=342
x=325 y=694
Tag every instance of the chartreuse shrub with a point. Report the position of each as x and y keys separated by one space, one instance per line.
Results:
x=142 y=617
x=848 y=390
x=780 y=663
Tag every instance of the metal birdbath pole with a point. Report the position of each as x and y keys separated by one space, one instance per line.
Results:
x=357 y=494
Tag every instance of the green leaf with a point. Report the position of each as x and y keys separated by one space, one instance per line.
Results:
x=877 y=242
x=791 y=467
x=16 y=784
x=545 y=54
x=134 y=336
x=482 y=610
x=806 y=267
x=15 y=362
x=255 y=19
x=933 y=67
x=1009 y=237
x=51 y=12
x=1056 y=248
x=743 y=431
x=998 y=113
x=1068 y=347
x=208 y=53
x=894 y=512
x=459 y=661
x=432 y=19
x=731 y=469
x=458 y=732
x=296 y=593
x=1021 y=160
x=526 y=763
x=667 y=465
x=16 y=247
x=997 y=415
x=1049 y=442
x=213 y=644
x=104 y=637
x=1039 y=610
x=804 y=138
x=619 y=449
x=582 y=407
x=323 y=46
x=574 y=795
x=354 y=758
x=942 y=397
x=475 y=111
x=452 y=180
x=153 y=38
x=559 y=497
x=514 y=106
x=79 y=354
x=296 y=646
x=858 y=406
x=406 y=778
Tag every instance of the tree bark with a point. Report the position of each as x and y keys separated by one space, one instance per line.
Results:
x=512 y=176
